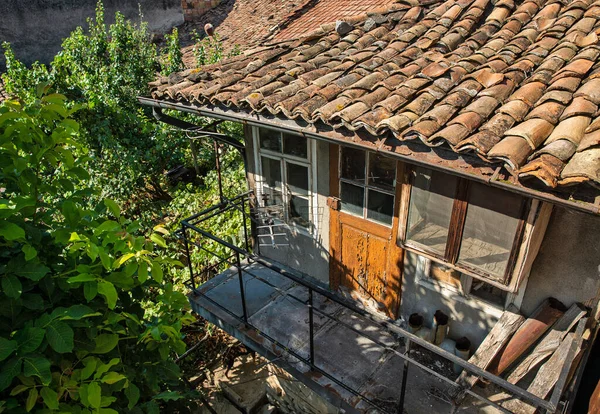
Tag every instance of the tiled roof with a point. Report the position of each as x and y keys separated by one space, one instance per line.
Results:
x=316 y=13
x=515 y=82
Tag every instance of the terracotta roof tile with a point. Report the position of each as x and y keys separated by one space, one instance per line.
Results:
x=515 y=82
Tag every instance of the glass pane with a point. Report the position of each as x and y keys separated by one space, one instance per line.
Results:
x=353 y=164
x=382 y=172
x=271 y=170
x=295 y=145
x=490 y=228
x=299 y=211
x=352 y=198
x=270 y=139
x=488 y=293
x=380 y=207
x=297 y=179
x=431 y=201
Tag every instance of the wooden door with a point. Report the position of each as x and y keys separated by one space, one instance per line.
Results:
x=364 y=256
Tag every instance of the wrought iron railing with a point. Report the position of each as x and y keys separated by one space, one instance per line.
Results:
x=239 y=258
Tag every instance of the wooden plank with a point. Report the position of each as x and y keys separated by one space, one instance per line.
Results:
x=500 y=334
x=546 y=377
x=527 y=335
x=549 y=343
x=594 y=406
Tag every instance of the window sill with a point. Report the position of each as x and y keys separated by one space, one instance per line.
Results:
x=455 y=295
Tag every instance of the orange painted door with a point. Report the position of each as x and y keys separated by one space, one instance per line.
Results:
x=364 y=256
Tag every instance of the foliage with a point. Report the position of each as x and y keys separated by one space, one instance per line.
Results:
x=209 y=49
x=105 y=69
x=173 y=57
x=74 y=336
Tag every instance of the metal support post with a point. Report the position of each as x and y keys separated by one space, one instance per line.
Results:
x=310 y=326
x=242 y=293
x=404 y=379
x=187 y=253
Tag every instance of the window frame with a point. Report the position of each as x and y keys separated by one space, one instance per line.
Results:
x=367 y=186
x=458 y=216
x=285 y=159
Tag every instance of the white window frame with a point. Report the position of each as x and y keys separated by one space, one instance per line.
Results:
x=307 y=162
x=367 y=187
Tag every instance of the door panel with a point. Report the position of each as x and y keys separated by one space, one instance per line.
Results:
x=364 y=256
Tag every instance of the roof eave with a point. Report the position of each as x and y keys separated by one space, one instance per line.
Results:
x=467 y=166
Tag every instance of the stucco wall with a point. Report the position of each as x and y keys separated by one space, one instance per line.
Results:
x=568 y=264
x=36 y=28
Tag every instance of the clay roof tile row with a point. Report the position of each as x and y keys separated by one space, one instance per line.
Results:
x=515 y=82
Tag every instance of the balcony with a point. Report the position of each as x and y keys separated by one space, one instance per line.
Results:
x=358 y=361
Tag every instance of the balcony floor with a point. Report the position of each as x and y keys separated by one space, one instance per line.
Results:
x=358 y=362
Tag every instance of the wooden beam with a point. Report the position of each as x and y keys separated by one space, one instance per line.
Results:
x=495 y=341
x=549 y=343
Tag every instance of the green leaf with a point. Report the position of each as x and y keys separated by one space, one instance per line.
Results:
x=107 y=226
x=109 y=292
x=121 y=260
x=31 y=399
x=29 y=251
x=37 y=367
x=89 y=366
x=113 y=377
x=9 y=371
x=90 y=290
x=105 y=259
x=33 y=271
x=11 y=231
x=133 y=395
x=32 y=301
x=19 y=389
x=157 y=272
x=158 y=239
x=113 y=207
x=168 y=396
x=11 y=285
x=143 y=272
x=84 y=277
x=104 y=368
x=29 y=339
x=7 y=347
x=60 y=336
x=105 y=343
x=94 y=394
x=50 y=398
x=75 y=312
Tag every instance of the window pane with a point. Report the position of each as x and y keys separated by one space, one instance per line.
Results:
x=490 y=228
x=270 y=139
x=353 y=164
x=382 y=172
x=380 y=207
x=297 y=179
x=299 y=211
x=271 y=170
x=352 y=198
x=431 y=201
x=295 y=145
x=488 y=293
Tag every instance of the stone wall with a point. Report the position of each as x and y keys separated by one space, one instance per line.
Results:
x=192 y=9
x=36 y=28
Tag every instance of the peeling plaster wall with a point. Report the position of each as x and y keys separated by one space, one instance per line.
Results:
x=305 y=253
x=36 y=28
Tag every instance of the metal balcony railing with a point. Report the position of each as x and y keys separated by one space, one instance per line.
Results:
x=193 y=236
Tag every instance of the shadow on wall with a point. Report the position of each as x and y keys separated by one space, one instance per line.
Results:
x=36 y=29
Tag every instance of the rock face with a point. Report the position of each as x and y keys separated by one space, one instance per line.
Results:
x=36 y=29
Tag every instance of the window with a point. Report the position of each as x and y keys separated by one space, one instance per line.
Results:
x=286 y=175
x=471 y=227
x=367 y=184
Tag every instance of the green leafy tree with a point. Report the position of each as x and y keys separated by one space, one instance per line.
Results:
x=75 y=335
x=173 y=56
